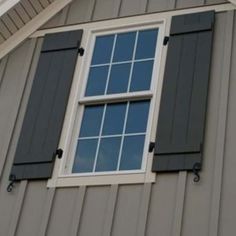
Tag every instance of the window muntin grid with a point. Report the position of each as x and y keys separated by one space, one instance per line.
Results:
x=121 y=63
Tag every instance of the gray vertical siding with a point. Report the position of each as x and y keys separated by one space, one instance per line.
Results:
x=174 y=205
x=80 y=11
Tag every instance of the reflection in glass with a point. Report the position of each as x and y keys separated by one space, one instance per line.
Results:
x=119 y=78
x=114 y=119
x=141 y=77
x=146 y=44
x=91 y=122
x=97 y=81
x=102 y=50
x=132 y=152
x=124 y=47
x=108 y=154
x=137 y=117
x=85 y=155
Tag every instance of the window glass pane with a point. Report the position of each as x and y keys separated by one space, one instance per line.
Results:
x=124 y=47
x=102 y=50
x=141 y=77
x=97 y=81
x=132 y=152
x=146 y=44
x=119 y=78
x=137 y=117
x=91 y=122
x=85 y=155
x=108 y=154
x=114 y=119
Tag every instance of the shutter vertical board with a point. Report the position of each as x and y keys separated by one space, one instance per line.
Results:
x=46 y=108
x=181 y=122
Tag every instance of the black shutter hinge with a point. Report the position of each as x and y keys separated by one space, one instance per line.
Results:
x=10 y=186
x=166 y=40
x=196 y=169
x=81 y=51
x=151 y=146
x=58 y=153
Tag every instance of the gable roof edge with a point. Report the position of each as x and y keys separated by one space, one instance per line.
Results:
x=32 y=26
x=233 y=1
x=6 y=5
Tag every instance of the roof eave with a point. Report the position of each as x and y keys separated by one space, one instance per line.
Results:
x=6 y=5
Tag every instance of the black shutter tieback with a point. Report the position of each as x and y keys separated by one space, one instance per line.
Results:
x=196 y=168
x=12 y=178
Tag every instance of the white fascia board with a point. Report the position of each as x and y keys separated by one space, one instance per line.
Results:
x=233 y=1
x=6 y=5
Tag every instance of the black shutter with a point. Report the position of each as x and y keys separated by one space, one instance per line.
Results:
x=41 y=130
x=180 y=130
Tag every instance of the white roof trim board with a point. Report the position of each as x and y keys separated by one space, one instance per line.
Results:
x=6 y=5
x=32 y=26
x=233 y=1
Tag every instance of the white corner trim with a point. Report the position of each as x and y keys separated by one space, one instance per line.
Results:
x=32 y=26
x=233 y=1
x=6 y=5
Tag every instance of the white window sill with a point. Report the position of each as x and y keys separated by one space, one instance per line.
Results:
x=104 y=179
x=100 y=180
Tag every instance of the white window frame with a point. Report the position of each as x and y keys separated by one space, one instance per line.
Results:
x=59 y=179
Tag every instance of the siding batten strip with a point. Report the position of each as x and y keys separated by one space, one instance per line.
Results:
x=17 y=211
x=3 y=65
x=78 y=211
x=107 y=228
x=179 y=208
x=63 y=16
x=221 y=129
x=143 y=211
x=46 y=212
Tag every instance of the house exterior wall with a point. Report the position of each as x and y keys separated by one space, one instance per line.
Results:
x=174 y=205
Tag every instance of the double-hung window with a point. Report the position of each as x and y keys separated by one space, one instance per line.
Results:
x=116 y=103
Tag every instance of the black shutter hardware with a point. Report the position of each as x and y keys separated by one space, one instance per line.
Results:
x=58 y=153
x=166 y=40
x=81 y=51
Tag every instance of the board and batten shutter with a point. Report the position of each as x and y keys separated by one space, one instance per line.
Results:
x=43 y=121
x=180 y=130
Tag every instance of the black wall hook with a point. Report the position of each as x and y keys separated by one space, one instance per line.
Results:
x=12 y=178
x=196 y=168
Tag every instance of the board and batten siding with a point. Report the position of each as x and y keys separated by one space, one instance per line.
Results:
x=80 y=11
x=174 y=205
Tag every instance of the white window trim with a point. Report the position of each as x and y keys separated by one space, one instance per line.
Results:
x=122 y=177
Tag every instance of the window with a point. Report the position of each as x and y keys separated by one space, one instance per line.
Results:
x=113 y=129
x=114 y=108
